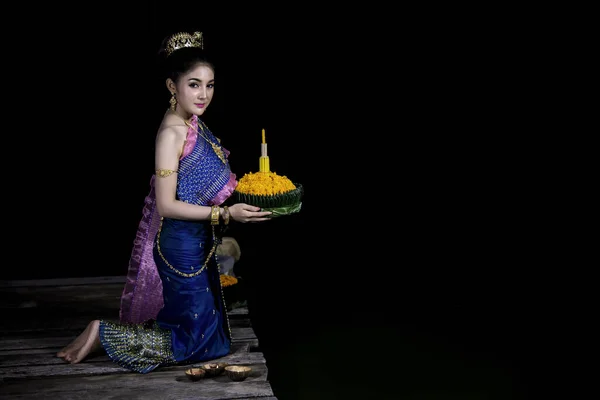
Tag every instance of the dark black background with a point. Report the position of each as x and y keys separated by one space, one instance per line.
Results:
x=414 y=268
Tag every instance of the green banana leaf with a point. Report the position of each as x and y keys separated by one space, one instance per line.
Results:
x=280 y=211
x=284 y=203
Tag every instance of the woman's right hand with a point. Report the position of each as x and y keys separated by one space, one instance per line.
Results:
x=242 y=212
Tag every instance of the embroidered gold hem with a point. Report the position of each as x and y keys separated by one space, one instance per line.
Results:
x=138 y=347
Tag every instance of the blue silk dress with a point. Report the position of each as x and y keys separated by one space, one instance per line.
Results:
x=192 y=325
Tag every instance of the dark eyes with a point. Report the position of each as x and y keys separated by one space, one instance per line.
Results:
x=196 y=86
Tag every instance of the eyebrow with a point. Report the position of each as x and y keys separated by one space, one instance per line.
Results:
x=199 y=80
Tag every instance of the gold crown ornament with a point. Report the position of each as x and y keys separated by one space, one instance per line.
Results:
x=184 y=39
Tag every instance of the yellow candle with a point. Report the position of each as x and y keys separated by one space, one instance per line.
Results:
x=263 y=161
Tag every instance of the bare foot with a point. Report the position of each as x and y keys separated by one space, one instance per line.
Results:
x=78 y=342
x=91 y=342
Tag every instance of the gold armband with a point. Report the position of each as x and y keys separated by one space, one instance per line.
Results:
x=214 y=215
x=163 y=173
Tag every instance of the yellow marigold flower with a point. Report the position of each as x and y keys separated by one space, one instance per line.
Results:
x=228 y=280
x=264 y=183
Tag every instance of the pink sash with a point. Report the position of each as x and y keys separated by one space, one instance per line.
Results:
x=142 y=296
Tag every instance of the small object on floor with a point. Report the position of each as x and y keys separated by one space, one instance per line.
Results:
x=195 y=373
x=213 y=369
x=238 y=372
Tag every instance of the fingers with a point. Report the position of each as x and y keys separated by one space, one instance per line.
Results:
x=248 y=213
x=257 y=216
x=247 y=207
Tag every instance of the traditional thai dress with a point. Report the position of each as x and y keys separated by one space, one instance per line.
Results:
x=172 y=307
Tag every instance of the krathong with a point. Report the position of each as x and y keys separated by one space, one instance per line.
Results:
x=268 y=190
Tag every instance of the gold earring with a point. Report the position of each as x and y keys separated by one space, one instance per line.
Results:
x=173 y=102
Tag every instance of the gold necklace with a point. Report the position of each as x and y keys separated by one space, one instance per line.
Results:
x=217 y=149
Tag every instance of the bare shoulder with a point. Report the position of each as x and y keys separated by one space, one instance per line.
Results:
x=171 y=133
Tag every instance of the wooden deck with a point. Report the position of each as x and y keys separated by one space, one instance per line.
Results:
x=39 y=317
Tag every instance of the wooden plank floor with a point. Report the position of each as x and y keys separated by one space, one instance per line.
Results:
x=39 y=317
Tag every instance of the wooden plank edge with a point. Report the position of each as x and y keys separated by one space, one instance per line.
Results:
x=78 y=281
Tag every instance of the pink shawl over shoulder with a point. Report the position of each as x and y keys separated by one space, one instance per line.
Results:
x=142 y=296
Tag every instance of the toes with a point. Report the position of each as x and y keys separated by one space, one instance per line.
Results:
x=65 y=350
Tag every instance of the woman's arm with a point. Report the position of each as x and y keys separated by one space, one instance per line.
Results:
x=169 y=144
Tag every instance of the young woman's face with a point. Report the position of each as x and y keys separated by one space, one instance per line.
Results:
x=195 y=90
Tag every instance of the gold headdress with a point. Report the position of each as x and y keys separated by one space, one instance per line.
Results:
x=184 y=39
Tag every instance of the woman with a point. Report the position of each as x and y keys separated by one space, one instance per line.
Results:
x=183 y=217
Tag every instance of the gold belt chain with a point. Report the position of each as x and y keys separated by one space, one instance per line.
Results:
x=212 y=250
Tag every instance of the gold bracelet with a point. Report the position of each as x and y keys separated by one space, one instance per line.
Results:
x=226 y=215
x=214 y=215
